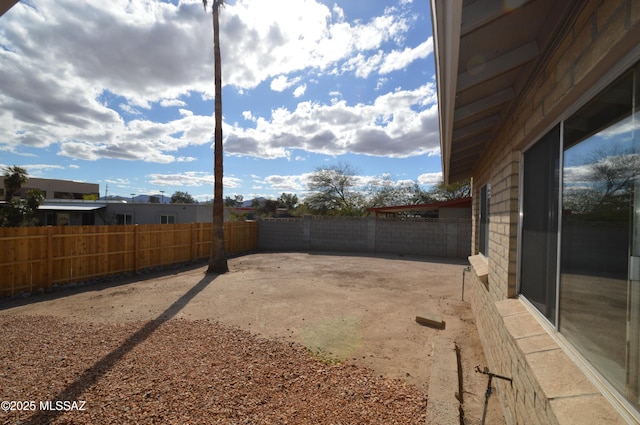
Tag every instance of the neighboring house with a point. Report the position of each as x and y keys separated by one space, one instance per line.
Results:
x=56 y=189
x=66 y=203
x=138 y=213
x=76 y=213
x=456 y=208
x=539 y=104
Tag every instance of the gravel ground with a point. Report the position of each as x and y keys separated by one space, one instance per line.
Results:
x=181 y=371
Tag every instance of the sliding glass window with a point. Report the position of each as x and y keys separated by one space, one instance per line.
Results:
x=540 y=223
x=590 y=163
x=600 y=170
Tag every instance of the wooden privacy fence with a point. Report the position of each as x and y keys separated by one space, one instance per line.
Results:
x=32 y=258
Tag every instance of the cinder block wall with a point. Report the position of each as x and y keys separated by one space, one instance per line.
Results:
x=438 y=238
x=282 y=235
x=340 y=234
x=600 y=34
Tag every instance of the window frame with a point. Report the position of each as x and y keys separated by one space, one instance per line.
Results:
x=166 y=217
x=484 y=220
x=124 y=215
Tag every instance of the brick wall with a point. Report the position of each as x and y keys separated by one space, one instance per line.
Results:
x=599 y=36
x=437 y=238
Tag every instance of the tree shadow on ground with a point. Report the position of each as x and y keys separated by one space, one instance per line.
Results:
x=92 y=375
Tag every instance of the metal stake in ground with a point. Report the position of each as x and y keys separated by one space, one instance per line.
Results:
x=489 y=390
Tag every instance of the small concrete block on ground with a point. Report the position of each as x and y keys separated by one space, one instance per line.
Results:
x=431 y=320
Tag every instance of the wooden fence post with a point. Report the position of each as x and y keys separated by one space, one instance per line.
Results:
x=136 y=246
x=192 y=229
x=49 y=257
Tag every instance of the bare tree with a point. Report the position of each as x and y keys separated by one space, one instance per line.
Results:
x=606 y=187
x=335 y=191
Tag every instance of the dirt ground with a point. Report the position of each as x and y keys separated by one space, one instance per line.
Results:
x=358 y=310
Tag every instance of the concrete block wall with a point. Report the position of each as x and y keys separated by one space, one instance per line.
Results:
x=342 y=234
x=438 y=238
x=282 y=235
x=599 y=35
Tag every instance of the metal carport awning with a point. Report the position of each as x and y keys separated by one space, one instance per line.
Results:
x=71 y=207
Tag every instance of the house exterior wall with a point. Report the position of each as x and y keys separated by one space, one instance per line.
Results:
x=151 y=213
x=549 y=385
x=51 y=187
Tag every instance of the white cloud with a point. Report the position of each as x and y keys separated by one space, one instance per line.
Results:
x=191 y=178
x=153 y=53
x=290 y=183
x=260 y=43
x=362 y=65
x=118 y=182
x=428 y=179
x=129 y=109
x=299 y=91
x=390 y=126
x=36 y=170
x=397 y=60
x=282 y=82
x=166 y=103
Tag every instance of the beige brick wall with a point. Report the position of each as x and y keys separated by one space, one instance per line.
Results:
x=600 y=35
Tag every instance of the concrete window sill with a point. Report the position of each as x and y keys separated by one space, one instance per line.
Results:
x=572 y=397
x=480 y=268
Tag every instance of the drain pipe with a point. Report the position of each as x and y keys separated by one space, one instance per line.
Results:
x=466 y=269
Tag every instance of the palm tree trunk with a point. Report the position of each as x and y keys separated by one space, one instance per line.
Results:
x=217 y=256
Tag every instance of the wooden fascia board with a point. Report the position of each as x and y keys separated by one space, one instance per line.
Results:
x=446 y=18
x=5 y=5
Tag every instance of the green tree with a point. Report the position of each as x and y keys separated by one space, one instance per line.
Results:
x=18 y=211
x=179 y=197
x=236 y=201
x=265 y=207
x=14 y=178
x=217 y=256
x=288 y=201
x=334 y=190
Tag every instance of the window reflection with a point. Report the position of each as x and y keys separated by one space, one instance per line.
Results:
x=599 y=171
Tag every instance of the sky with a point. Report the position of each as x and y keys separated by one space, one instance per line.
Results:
x=120 y=93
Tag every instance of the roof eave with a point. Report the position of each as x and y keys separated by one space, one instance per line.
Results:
x=5 y=5
x=446 y=18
